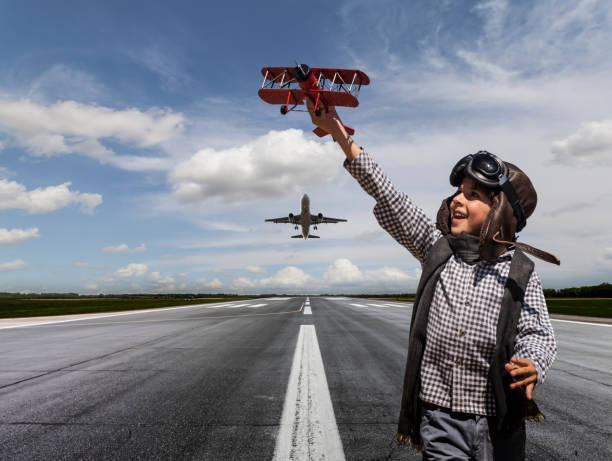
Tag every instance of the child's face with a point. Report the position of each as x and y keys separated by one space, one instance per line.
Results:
x=469 y=208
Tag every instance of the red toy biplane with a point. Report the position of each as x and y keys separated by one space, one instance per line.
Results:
x=326 y=87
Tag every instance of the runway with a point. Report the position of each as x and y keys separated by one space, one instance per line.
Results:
x=262 y=379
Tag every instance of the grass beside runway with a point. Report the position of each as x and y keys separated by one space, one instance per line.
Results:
x=14 y=308
x=588 y=307
x=600 y=307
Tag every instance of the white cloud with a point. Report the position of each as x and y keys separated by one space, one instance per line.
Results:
x=288 y=278
x=280 y=162
x=591 y=143
x=91 y=287
x=16 y=265
x=45 y=200
x=72 y=127
x=343 y=271
x=163 y=280
x=86 y=265
x=9 y=238
x=132 y=270
x=204 y=283
x=123 y=248
x=255 y=270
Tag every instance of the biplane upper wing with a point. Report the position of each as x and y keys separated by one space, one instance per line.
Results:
x=285 y=220
x=345 y=76
x=316 y=219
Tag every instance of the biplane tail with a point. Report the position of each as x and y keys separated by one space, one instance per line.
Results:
x=298 y=236
x=320 y=132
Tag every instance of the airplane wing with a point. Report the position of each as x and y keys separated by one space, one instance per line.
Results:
x=295 y=219
x=296 y=96
x=346 y=76
x=316 y=219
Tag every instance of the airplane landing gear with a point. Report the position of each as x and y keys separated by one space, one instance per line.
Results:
x=318 y=112
x=283 y=110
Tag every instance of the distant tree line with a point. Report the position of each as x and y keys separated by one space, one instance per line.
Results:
x=603 y=290
x=597 y=291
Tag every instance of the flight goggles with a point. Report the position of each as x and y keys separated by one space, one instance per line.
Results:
x=492 y=172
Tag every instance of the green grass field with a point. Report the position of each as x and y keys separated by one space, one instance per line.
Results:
x=589 y=307
x=12 y=308
x=599 y=307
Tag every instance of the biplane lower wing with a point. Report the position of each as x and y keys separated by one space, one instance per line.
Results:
x=296 y=97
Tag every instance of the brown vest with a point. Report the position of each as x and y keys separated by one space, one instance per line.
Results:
x=512 y=406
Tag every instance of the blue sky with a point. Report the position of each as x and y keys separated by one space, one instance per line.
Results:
x=135 y=155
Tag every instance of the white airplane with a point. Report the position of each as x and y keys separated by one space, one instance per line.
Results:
x=305 y=219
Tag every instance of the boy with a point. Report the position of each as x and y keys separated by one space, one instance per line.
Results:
x=480 y=336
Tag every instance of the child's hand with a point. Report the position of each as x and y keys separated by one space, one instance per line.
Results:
x=328 y=120
x=524 y=369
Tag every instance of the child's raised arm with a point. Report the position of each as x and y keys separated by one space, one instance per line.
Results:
x=394 y=211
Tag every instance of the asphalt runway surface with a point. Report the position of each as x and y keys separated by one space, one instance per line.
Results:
x=257 y=380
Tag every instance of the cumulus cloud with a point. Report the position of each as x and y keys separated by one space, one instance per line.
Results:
x=255 y=270
x=132 y=270
x=70 y=127
x=288 y=278
x=123 y=248
x=343 y=272
x=204 y=283
x=9 y=238
x=591 y=144
x=86 y=265
x=16 y=265
x=277 y=163
x=45 y=200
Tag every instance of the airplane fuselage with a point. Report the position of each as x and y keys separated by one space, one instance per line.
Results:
x=305 y=217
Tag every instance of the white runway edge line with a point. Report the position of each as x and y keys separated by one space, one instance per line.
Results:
x=308 y=429
x=307 y=310
x=582 y=323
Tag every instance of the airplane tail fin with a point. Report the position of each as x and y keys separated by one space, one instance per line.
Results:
x=310 y=236
x=299 y=236
x=320 y=132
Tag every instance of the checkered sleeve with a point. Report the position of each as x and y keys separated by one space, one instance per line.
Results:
x=535 y=339
x=394 y=211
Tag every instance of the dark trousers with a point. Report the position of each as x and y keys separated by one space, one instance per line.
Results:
x=463 y=436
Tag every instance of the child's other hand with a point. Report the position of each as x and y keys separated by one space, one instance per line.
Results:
x=525 y=374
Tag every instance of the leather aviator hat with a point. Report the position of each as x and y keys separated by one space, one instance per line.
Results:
x=514 y=200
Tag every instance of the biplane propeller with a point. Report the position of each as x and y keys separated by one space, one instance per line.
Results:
x=289 y=86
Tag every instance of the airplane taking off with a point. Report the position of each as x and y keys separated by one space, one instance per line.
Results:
x=305 y=219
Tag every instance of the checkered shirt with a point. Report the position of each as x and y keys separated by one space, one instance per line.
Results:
x=462 y=325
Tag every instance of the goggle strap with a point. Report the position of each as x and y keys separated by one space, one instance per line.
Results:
x=543 y=255
x=514 y=201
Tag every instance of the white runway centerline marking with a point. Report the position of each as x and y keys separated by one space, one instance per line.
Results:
x=356 y=305
x=258 y=305
x=308 y=427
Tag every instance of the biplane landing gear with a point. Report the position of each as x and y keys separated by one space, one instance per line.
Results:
x=315 y=227
x=318 y=111
x=283 y=110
